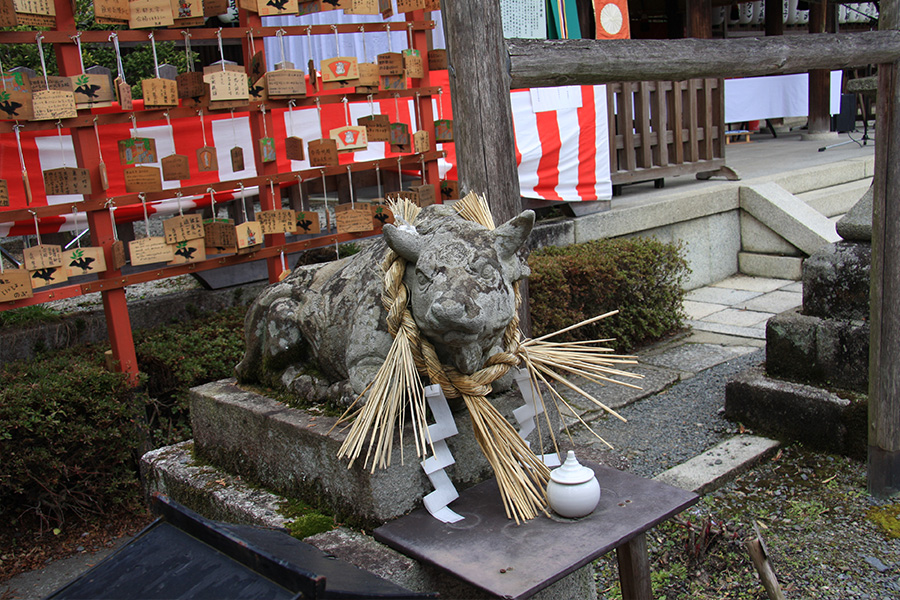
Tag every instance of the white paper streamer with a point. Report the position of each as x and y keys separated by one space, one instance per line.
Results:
x=444 y=427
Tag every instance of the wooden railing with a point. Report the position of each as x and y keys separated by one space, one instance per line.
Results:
x=660 y=129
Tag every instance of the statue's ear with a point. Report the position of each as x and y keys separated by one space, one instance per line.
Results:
x=404 y=240
x=510 y=236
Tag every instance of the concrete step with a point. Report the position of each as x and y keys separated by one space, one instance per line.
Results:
x=770 y=265
x=786 y=215
x=838 y=199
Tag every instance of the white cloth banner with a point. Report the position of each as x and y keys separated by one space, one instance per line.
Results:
x=757 y=98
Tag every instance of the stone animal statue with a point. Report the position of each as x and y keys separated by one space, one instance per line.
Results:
x=321 y=332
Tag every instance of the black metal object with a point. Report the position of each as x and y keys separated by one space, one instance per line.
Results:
x=491 y=552
x=183 y=555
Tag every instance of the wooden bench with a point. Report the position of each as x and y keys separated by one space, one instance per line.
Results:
x=738 y=136
x=493 y=554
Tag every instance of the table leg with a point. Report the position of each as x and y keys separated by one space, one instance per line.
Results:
x=634 y=569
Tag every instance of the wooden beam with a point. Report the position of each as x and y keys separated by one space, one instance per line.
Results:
x=819 y=99
x=775 y=17
x=544 y=63
x=699 y=21
x=884 y=344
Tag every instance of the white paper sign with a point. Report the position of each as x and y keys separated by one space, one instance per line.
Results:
x=555 y=98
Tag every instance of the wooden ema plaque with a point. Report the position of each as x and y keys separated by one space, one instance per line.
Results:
x=4 y=194
x=267 y=149
x=378 y=127
x=227 y=85
x=149 y=250
x=323 y=153
x=123 y=95
x=443 y=131
x=353 y=218
x=53 y=105
x=150 y=13
x=257 y=67
x=412 y=63
x=437 y=60
x=400 y=141
x=449 y=190
x=307 y=222
x=363 y=7
x=390 y=63
x=44 y=256
x=112 y=9
x=219 y=237
x=53 y=82
x=424 y=194
x=143 y=179
x=84 y=261
x=92 y=90
x=386 y=8
x=8 y=14
x=274 y=8
x=47 y=276
x=249 y=234
x=350 y=138
x=16 y=105
x=67 y=180
x=136 y=151
x=368 y=75
x=393 y=82
x=293 y=148
x=175 y=167
x=341 y=68
x=183 y=228
x=118 y=255
x=421 y=142
x=159 y=93
x=207 y=159
x=214 y=8
x=410 y=5
x=237 y=159
x=191 y=85
x=186 y=12
x=259 y=91
x=277 y=221
x=381 y=215
x=188 y=251
x=286 y=83
x=15 y=284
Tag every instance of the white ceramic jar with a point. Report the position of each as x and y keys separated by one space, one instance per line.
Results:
x=573 y=490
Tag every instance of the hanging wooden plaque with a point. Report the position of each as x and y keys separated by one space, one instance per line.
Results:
x=207 y=159
x=248 y=234
x=421 y=142
x=341 y=68
x=67 y=180
x=175 y=167
x=8 y=14
x=53 y=82
x=227 y=85
x=381 y=215
x=323 y=153
x=118 y=255
x=267 y=149
x=259 y=91
x=437 y=59
x=17 y=105
x=35 y=7
x=393 y=82
x=92 y=90
x=237 y=159
x=188 y=251
x=159 y=92
x=449 y=190
x=308 y=222
x=431 y=5
x=349 y=138
x=386 y=8
x=274 y=8
x=424 y=194
x=277 y=221
x=143 y=179
x=16 y=81
x=136 y=151
x=218 y=66
x=104 y=176
x=405 y=6
x=182 y=228
x=368 y=75
x=353 y=218
x=378 y=127
x=37 y=21
x=362 y=7
x=412 y=62
x=214 y=8
x=149 y=250
x=401 y=194
x=286 y=83
x=257 y=67
x=4 y=194
x=248 y=5
x=190 y=85
x=47 y=276
x=84 y=261
x=293 y=148
x=150 y=13
x=400 y=140
x=54 y=105
x=390 y=63
x=219 y=237
x=15 y=284
x=348 y=85
x=123 y=95
x=443 y=131
x=187 y=12
x=44 y=256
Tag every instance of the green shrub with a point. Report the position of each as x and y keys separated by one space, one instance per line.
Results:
x=642 y=278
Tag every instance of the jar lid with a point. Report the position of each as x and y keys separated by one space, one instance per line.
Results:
x=571 y=472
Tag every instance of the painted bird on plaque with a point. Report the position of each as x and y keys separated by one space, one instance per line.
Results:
x=15 y=284
x=84 y=261
x=259 y=90
x=381 y=216
x=308 y=222
x=274 y=8
x=257 y=66
x=188 y=251
x=47 y=276
x=449 y=190
x=350 y=138
x=92 y=90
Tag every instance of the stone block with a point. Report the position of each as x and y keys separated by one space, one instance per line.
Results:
x=836 y=281
x=823 y=176
x=756 y=237
x=836 y=200
x=551 y=233
x=788 y=216
x=770 y=265
x=793 y=411
x=294 y=452
x=856 y=225
x=818 y=351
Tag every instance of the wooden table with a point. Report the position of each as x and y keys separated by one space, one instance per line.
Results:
x=492 y=553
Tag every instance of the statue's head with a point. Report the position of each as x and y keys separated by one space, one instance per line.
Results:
x=460 y=278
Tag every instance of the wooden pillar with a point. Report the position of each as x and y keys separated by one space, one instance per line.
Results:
x=884 y=344
x=115 y=307
x=819 y=79
x=482 y=114
x=699 y=19
x=775 y=17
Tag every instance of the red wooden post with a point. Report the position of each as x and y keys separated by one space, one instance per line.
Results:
x=425 y=108
x=115 y=307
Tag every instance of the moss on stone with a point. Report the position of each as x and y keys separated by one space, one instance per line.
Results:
x=887 y=518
